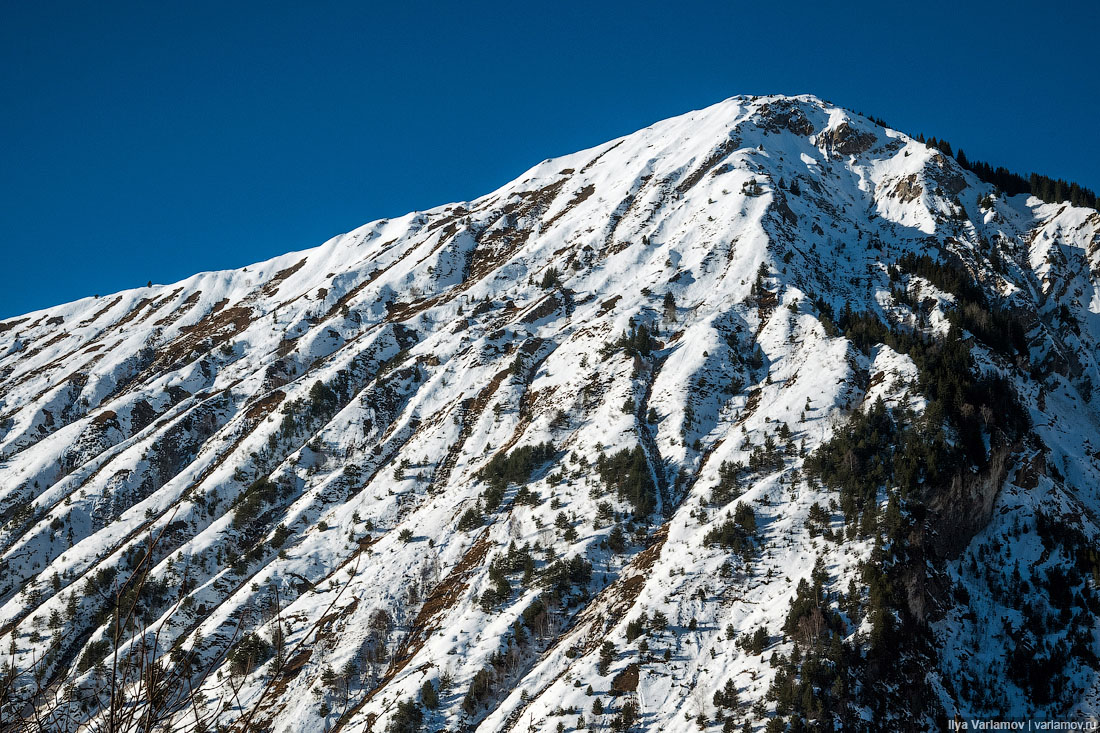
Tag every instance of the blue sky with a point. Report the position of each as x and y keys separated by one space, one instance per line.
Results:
x=148 y=141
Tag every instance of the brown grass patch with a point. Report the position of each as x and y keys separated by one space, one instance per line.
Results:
x=272 y=285
x=99 y=313
x=8 y=325
x=265 y=405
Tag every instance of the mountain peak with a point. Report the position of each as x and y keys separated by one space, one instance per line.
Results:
x=764 y=381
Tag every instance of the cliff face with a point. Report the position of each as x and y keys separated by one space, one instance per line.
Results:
x=764 y=412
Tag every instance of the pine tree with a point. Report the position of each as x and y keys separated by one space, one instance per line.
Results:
x=607 y=656
x=429 y=696
x=408 y=719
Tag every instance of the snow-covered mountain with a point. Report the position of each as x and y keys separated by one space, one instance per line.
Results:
x=765 y=415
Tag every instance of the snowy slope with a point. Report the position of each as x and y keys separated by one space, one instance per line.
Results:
x=304 y=448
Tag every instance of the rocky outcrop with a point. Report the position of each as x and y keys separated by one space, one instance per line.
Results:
x=784 y=115
x=908 y=189
x=844 y=139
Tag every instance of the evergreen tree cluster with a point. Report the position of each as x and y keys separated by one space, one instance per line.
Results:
x=998 y=328
x=1051 y=190
x=248 y=504
x=813 y=688
x=766 y=457
x=906 y=459
x=562 y=577
x=645 y=624
x=481 y=688
x=874 y=451
x=737 y=533
x=512 y=468
x=551 y=278
x=810 y=615
x=827 y=681
x=729 y=483
x=409 y=718
x=756 y=642
x=534 y=622
x=515 y=560
x=94 y=653
x=471 y=519
x=1057 y=633
x=636 y=341
x=669 y=305
x=817 y=521
x=878 y=448
x=627 y=471
x=302 y=415
x=249 y=653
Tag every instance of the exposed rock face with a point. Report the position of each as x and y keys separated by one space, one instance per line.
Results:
x=908 y=189
x=847 y=140
x=947 y=174
x=798 y=123
x=783 y=116
x=964 y=509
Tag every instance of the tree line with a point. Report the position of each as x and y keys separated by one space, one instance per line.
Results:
x=1051 y=190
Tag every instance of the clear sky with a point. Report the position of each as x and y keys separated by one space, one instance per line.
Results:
x=151 y=140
